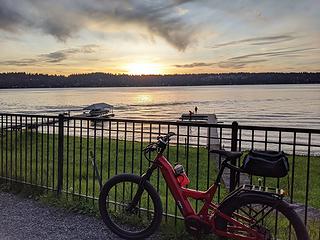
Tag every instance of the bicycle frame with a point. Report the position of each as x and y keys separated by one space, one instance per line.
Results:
x=208 y=210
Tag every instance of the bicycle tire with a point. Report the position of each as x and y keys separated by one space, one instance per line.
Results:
x=236 y=203
x=105 y=214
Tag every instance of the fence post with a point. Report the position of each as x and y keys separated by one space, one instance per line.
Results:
x=234 y=142
x=60 y=153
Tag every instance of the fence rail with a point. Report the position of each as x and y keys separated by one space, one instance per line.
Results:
x=56 y=153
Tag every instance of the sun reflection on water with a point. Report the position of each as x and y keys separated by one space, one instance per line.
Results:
x=144 y=98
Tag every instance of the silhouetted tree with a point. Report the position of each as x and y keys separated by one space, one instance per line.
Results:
x=27 y=80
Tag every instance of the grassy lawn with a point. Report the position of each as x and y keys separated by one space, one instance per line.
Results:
x=33 y=158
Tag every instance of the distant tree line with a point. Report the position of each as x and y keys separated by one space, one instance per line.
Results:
x=27 y=80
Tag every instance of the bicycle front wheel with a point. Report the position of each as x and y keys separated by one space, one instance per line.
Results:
x=137 y=223
x=272 y=218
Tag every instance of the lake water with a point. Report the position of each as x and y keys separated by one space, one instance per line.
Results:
x=263 y=105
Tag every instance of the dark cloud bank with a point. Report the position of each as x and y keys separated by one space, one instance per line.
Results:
x=64 y=19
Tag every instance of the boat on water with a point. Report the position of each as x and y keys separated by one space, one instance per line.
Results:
x=99 y=110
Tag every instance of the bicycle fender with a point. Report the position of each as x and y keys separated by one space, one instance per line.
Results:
x=241 y=193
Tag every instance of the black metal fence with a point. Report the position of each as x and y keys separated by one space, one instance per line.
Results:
x=58 y=152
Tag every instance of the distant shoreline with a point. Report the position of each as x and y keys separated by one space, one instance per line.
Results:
x=258 y=84
x=96 y=80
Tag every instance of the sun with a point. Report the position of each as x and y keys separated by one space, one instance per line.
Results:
x=143 y=68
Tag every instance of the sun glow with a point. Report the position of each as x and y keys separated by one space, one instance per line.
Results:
x=144 y=98
x=143 y=68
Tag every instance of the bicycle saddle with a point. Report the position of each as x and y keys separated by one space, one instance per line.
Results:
x=227 y=154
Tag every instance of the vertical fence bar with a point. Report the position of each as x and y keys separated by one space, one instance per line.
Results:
x=48 y=154
x=239 y=163
x=60 y=153
x=11 y=147
x=167 y=188
x=177 y=160
x=37 y=150
x=74 y=156
x=132 y=156
x=117 y=158
x=265 y=148
x=21 y=136
x=95 y=167
x=117 y=148
x=67 y=175
x=80 y=161
x=53 y=151
x=307 y=183
x=208 y=157
x=26 y=151
x=101 y=153
x=197 y=162
x=42 y=153
x=87 y=160
x=31 y=145
x=219 y=162
x=292 y=174
x=234 y=141
x=158 y=171
x=109 y=148
x=278 y=186
x=2 y=136
x=293 y=166
x=125 y=158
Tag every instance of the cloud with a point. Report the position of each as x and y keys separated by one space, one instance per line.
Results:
x=21 y=62
x=64 y=19
x=52 y=57
x=274 y=53
x=10 y=18
x=193 y=65
x=61 y=55
x=244 y=60
x=239 y=64
x=258 y=41
x=248 y=59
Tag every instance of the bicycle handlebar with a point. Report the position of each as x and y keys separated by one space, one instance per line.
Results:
x=166 y=138
x=158 y=146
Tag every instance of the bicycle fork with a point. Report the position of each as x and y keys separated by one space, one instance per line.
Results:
x=145 y=177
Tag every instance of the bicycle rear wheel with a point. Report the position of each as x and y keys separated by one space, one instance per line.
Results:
x=114 y=199
x=272 y=218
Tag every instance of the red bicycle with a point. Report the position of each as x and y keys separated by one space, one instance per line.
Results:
x=248 y=213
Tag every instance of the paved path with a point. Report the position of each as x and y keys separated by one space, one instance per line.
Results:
x=27 y=219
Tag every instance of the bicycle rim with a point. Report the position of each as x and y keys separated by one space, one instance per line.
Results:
x=132 y=221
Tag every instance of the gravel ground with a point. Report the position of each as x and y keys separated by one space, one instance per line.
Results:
x=22 y=218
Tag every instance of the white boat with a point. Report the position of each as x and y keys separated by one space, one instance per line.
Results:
x=99 y=110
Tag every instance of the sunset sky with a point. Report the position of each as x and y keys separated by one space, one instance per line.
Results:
x=158 y=36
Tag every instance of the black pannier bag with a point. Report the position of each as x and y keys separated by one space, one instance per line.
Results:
x=266 y=163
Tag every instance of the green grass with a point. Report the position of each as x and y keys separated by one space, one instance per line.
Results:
x=28 y=160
